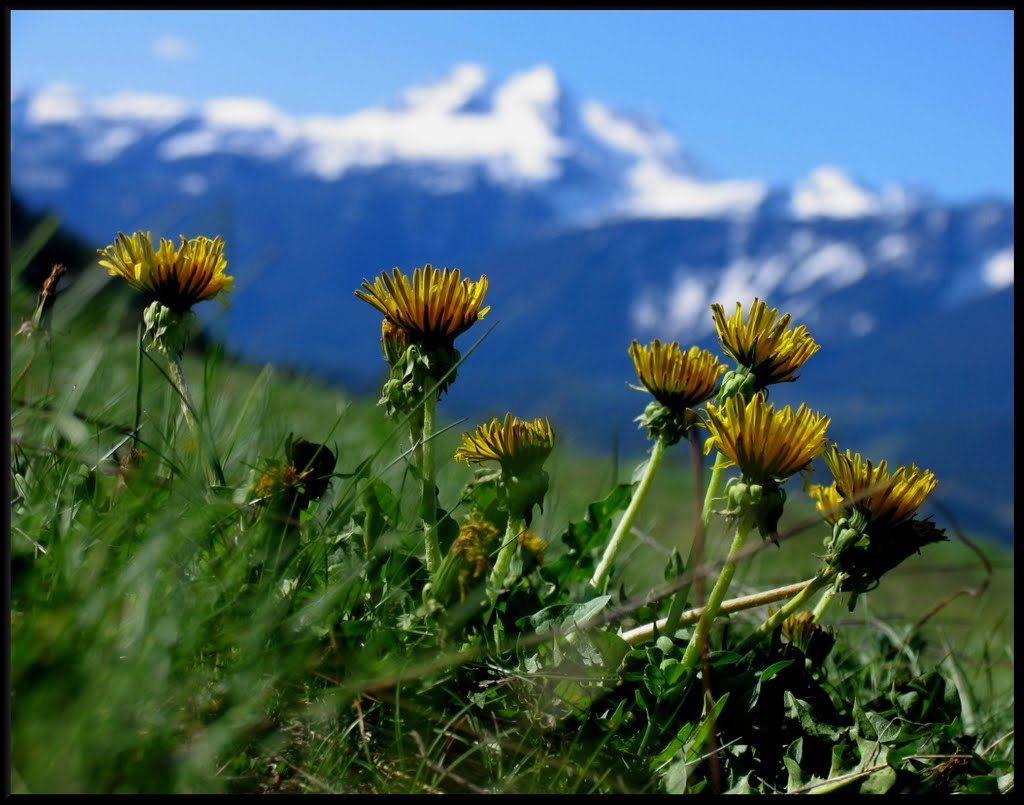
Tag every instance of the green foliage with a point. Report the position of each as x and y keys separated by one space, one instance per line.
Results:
x=271 y=633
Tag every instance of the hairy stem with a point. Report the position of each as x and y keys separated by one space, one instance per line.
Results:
x=499 y=573
x=428 y=501
x=824 y=601
x=714 y=488
x=696 y=554
x=599 y=580
x=700 y=635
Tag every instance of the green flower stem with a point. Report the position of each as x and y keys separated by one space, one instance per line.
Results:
x=138 y=388
x=181 y=384
x=823 y=577
x=713 y=491
x=648 y=630
x=499 y=573
x=683 y=593
x=824 y=601
x=599 y=580
x=692 y=655
x=714 y=488
x=188 y=408
x=428 y=505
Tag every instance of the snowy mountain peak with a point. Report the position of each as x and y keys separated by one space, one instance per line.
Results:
x=628 y=133
x=526 y=132
x=829 y=193
x=450 y=94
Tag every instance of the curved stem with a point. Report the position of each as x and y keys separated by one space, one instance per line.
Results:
x=823 y=577
x=693 y=650
x=499 y=573
x=428 y=501
x=599 y=580
x=697 y=546
x=714 y=487
x=824 y=601
x=696 y=555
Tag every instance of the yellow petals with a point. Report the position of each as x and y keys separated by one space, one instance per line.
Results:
x=434 y=308
x=888 y=500
x=764 y=443
x=177 y=278
x=678 y=380
x=514 y=443
x=768 y=348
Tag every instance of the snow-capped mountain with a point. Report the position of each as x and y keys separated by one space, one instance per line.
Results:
x=594 y=225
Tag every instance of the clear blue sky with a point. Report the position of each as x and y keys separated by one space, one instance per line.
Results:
x=919 y=97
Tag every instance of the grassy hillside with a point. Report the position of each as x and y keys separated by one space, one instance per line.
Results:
x=175 y=630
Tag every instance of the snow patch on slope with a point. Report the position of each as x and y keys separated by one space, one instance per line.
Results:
x=998 y=270
x=829 y=193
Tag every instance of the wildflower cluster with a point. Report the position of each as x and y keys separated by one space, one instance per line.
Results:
x=479 y=576
x=520 y=448
x=295 y=484
x=870 y=511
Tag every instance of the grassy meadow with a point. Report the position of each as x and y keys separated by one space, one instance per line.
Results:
x=194 y=610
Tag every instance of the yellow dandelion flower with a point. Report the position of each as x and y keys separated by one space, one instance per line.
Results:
x=678 y=380
x=768 y=348
x=764 y=443
x=177 y=278
x=434 y=308
x=516 y=444
x=888 y=500
x=533 y=543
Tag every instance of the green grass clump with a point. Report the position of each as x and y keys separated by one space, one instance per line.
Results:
x=275 y=629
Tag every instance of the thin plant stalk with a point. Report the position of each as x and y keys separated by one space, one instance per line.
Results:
x=823 y=602
x=428 y=500
x=181 y=384
x=673 y=621
x=714 y=488
x=700 y=634
x=138 y=389
x=188 y=408
x=697 y=546
x=599 y=580
x=499 y=573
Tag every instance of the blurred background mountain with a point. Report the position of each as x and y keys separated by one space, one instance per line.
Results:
x=594 y=228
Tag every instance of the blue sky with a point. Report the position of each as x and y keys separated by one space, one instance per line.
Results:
x=915 y=97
